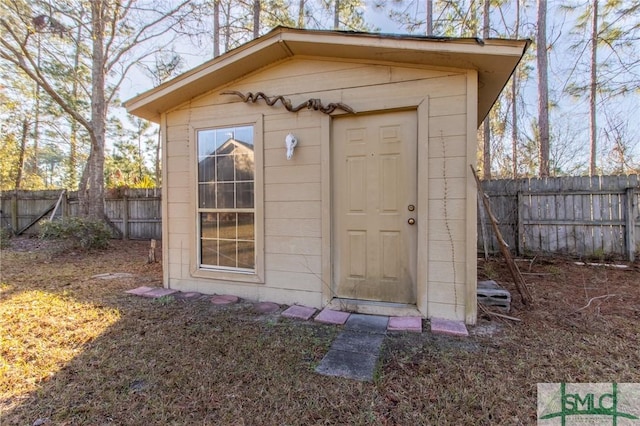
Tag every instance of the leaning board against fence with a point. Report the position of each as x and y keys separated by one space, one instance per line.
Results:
x=580 y=216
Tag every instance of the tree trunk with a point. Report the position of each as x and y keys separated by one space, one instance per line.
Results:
x=429 y=9
x=514 y=104
x=543 y=89
x=227 y=28
x=592 y=91
x=95 y=193
x=336 y=15
x=216 y=28
x=33 y=164
x=72 y=161
x=23 y=148
x=301 y=14
x=256 y=18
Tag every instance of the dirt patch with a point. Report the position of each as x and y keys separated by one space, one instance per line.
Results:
x=78 y=350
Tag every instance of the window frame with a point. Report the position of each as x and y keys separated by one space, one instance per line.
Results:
x=199 y=270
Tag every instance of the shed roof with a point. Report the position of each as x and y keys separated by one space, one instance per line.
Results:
x=494 y=59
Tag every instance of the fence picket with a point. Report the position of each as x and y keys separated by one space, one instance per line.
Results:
x=580 y=216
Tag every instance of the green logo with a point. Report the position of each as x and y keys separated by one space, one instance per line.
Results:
x=588 y=403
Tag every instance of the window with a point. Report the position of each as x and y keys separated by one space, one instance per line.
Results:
x=226 y=206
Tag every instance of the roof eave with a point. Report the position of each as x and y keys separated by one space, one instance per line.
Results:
x=494 y=59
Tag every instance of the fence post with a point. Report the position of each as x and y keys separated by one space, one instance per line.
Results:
x=520 y=225
x=14 y=213
x=630 y=223
x=125 y=217
x=65 y=204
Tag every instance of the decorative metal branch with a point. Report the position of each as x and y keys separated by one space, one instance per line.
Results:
x=314 y=104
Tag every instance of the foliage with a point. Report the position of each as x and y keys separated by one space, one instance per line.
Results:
x=79 y=232
x=9 y=164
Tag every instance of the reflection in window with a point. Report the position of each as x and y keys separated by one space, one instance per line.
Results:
x=226 y=170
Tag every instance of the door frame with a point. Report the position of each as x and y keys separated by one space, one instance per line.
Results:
x=329 y=286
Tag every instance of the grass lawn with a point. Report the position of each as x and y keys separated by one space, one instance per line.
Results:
x=77 y=350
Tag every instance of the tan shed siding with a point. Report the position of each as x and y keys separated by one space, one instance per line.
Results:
x=443 y=293
x=439 y=231
x=293 y=196
x=300 y=227
x=471 y=305
x=293 y=192
x=447 y=270
x=304 y=78
x=294 y=266
x=178 y=200
x=294 y=263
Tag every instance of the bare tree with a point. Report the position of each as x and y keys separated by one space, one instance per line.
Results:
x=514 y=102
x=117 y=36
x=216 y=28
x=593 y=90
x=543 y=89
x=429 y=17
x=257 y=8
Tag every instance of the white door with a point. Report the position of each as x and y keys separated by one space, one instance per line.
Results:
x=374 y=163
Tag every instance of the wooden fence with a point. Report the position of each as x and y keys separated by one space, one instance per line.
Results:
x=578 y=216
x=136 y=213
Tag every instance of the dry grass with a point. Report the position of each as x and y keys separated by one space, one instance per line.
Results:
x=77 y=350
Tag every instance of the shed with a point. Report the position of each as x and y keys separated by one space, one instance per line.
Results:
x=374 y=211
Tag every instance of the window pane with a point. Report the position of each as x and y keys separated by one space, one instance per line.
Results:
x=244 y=134
x=228 y=226
x=226 y=168
x=207 y=169
x=227 y=253
x=223 y=135
x=244 y=165
x=206 y=142
x=225 y=196
x=245 y=226
x=209 y=225
x=246 y=255
x=209 y=249
x=207 y=195
x=244 y=195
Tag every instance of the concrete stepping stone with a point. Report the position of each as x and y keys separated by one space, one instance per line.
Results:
x=405 y=324
x=450 y=327
x=266 y=307
x=354 y=354
x=157 y=293
x=299 y=312
x=350 y=365
x=367 y=323
x=224 y=299
x=140 y=290
x=329 y=316
x=354 y=341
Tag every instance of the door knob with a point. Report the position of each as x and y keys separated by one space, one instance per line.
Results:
x=411 y=207
x=411 y=221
